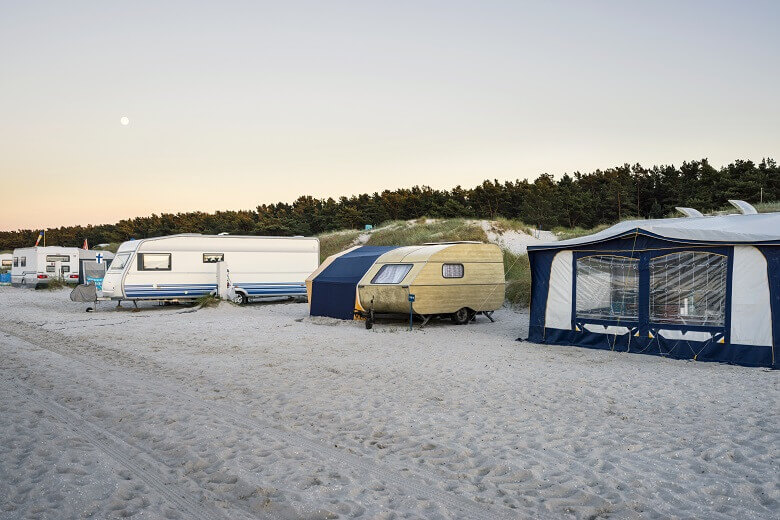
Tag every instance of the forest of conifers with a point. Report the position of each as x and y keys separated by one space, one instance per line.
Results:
x=578 y=199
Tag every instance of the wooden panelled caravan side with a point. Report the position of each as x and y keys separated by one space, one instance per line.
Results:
x=481 y=289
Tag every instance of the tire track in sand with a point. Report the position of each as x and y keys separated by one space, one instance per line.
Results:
x=124 y=454
x=364 y=468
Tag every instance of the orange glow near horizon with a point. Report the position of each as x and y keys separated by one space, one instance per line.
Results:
x=231 y=108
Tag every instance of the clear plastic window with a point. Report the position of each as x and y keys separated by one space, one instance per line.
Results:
x=688 y=288
x=452 y=270
x=607 y=288
x=154 y=262
x=119 y=262
x=392 y=273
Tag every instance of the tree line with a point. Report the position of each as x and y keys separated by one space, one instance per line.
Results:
x=575 y=200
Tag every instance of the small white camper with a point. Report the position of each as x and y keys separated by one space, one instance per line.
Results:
x=182 y=267
x=36 y=266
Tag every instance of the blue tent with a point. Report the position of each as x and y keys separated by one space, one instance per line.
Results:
x=704 y=288
x=334 y=289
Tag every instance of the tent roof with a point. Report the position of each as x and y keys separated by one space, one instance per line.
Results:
x=762 y=227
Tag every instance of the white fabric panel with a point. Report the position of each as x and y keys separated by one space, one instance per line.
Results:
x=559 y=297
x=691 y=335
x=751 y=315
x=606 y=329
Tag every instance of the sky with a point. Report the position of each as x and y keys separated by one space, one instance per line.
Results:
x=235 y=104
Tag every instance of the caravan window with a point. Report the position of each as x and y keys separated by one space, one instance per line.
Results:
x=452 y=270
x=120 y=261
x=688 y=289
x=154 y=261
x=213 y=258
x=49 y=268
x=392 y=273
x=16 y=261
x=23 y=261
x=607 y=288
x=57 y=258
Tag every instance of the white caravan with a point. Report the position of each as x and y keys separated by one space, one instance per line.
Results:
x=36 y=266
x=181 y=267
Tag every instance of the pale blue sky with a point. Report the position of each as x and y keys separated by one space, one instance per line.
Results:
x=232 y=104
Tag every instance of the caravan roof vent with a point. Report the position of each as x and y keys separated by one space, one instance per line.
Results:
x=689 y=212
x=743 y=207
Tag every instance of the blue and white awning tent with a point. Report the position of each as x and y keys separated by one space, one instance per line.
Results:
x=333 y=287
x=704 y=288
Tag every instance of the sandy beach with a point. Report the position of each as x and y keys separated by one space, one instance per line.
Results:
x=263 y=412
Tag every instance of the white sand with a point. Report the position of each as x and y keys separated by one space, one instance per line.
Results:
x=262 y=412
x=516 y=242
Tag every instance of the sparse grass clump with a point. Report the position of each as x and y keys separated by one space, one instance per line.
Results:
x=517 y=270
x=207 y=300
x=451 y=230
x=502 y=224
x=55 y=284
x=565 y=233
x=336 y=241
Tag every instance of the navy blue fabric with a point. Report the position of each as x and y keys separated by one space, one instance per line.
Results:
x=541 y=263
x=648 y=341
x=745 y=355
x=333 y=291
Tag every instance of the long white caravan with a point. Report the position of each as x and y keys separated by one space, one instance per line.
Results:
x=36 y=266
x=181 y=267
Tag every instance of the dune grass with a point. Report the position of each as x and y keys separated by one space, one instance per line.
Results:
x=449 y=230
x=336 y=241
x=517 y=271
x=207 y=300
x=502 y=224
x=55 y=284
x=564 y=233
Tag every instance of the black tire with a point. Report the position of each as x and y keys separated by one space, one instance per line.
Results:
x=369 y=323
x=462 y=316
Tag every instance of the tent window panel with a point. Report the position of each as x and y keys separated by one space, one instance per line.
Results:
x=688 y=288
x=392 y=273
x=154 y=262
x=607 y=288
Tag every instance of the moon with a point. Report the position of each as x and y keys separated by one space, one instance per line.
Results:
x=124 y=120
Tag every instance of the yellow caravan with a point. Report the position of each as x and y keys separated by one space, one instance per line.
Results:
x=457 y=280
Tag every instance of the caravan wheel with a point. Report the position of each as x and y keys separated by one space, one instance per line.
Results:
x=462 y=316
x=240 y=299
